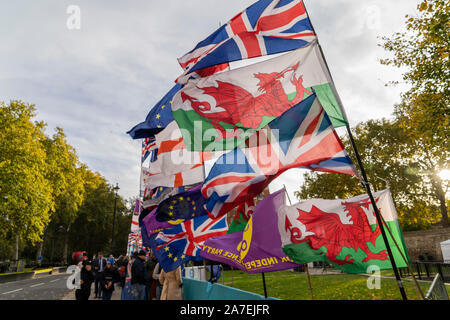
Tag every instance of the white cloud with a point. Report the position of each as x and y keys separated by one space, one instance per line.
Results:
x=99 y=81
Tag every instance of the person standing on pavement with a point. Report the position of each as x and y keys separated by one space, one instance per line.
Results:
x=86 y=279
x=99 y=265
x=108 y=278
x=155 y=275
x=172 y=285
x=139 y=276
x=151 y=284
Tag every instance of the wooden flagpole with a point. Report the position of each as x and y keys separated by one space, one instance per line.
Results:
x=306 y=265
x=365 y=182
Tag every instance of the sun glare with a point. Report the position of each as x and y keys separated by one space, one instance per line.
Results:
x=444 y=174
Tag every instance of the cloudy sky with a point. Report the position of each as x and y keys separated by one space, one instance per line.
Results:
x=98 y=81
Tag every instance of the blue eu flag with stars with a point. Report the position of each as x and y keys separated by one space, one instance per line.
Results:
x=158 y=117
x=183 y=206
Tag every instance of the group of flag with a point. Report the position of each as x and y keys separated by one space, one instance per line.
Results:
x=252 y=123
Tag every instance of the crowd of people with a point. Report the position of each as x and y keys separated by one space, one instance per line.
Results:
x=139 y=276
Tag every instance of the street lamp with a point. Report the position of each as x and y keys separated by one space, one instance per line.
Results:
x=116 y=189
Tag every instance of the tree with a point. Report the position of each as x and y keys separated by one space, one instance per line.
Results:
x=424 y=111
x=387 y=155
x=25 y=193
x=91 y=230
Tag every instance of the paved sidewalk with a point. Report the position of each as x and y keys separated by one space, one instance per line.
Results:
x=115 y=296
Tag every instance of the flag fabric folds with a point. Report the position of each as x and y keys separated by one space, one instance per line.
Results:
x=342 y=232
x=135 y=218
x=302 y=137
x=154 y=196
x=186 y=239
x=175 y=166
x=184 y=206
x=148 y=144
x=170 y=257
x=223 y=109
x=266 y=27
x=243 y=214
x=157 y=119
x=256 y=249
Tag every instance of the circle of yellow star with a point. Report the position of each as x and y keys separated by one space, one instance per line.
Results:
x=166 y=248
x=169 y=255
x=163 y=106
x=175 y=259
x=158 y=116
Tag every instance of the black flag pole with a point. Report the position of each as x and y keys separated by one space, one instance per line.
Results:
x=264 y=284
x=365 y=182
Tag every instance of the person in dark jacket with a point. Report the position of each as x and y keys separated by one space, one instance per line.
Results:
x=98 y=266
x=86 y=279
x=151 y=285
x=108 y=278
x=139 y=276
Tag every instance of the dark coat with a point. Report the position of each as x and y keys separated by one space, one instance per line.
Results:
x=85 y=289
x=107 y=276
x=139 y=273
x=96 y=264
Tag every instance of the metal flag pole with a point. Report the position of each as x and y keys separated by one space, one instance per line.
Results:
x=365 y=182
x=306 y=265
x=264 y=284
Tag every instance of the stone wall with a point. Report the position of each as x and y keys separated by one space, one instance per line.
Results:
x=426 y=243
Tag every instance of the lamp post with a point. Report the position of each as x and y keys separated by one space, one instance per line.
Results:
x=116 y=189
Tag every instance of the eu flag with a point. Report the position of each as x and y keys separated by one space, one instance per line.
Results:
x=183 y=206
x=158 y=117
x=169 y=257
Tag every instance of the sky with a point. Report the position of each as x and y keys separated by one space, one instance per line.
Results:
x=98 y=78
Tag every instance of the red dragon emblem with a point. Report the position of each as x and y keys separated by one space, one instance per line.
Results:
x=330 y=232
x=242 y=107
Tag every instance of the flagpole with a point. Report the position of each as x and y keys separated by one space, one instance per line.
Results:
x=264 y=284
x=418 y=289
x=365 y=182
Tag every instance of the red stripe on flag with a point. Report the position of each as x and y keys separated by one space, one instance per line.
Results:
x=178 y=180
x=251 y=43
x=237 y=24
x=171 y=145
x=308 y=132
x=279 y=20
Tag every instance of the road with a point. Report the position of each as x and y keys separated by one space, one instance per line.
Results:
x=51 y=287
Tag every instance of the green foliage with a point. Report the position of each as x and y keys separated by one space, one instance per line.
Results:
x=25 y=193
x=424 y=112
x=48 y=196
x=388 y=157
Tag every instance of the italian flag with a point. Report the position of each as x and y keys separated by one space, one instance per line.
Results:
x=218 y=112
x=343 y=233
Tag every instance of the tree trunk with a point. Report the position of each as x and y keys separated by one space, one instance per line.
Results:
x=437 y=184
x=39 y=252
x=16 y=251
x=66 y=242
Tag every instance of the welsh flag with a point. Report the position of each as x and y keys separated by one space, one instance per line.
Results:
x=343 y=233
x=218 y=112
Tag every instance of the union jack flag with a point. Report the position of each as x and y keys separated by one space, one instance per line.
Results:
x=189 y=236
x=148 y=145
x=301 y=137
x=266 y=27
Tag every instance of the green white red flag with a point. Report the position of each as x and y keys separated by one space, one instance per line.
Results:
x=216 y=112
x=343 y=233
